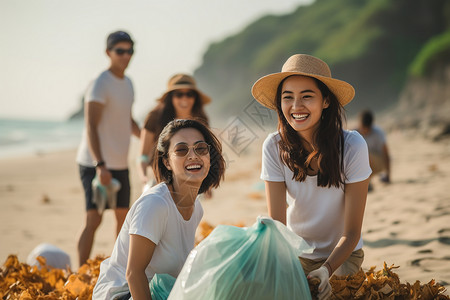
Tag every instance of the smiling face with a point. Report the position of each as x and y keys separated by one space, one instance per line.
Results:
x=302 y=104
x=193 y=167
x=183 y=101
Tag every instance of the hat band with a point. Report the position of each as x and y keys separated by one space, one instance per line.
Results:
x=184 y=82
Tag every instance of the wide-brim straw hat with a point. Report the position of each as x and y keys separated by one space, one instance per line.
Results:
x=184 y=81
x=265 y=89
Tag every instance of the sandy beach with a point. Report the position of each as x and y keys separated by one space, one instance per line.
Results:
x=407 y=223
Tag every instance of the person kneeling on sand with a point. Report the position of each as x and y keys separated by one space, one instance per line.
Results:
x=315 y=166
x=159 y=230
x=376 y=142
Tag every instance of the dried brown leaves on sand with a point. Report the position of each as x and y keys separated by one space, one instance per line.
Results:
x=383 y=284
x=23 y=282
x=20 y=281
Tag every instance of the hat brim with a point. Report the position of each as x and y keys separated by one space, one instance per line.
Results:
x=265 y=89
x=203 y=98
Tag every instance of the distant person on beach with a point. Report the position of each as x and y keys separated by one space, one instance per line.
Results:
x=316 y=173
x=103 y=152
x=159 y=230
x=376 y=142
x=181 y=100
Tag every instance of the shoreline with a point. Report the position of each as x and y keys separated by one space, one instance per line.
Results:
x=406 y=222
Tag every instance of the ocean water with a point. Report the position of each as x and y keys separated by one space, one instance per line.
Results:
x=22 y=137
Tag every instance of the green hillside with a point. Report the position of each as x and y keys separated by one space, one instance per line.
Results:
x=370 y=43
x=437 y=49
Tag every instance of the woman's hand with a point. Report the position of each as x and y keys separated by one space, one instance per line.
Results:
x=147 y=144
x=143 y=173
x=324 y=286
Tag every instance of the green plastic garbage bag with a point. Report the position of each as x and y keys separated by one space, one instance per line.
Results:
x=161 y=285
x=259 y=262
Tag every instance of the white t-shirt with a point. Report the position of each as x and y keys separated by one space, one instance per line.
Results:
x=114 y=130
x=316 y=213
x=154 y=216
x=375 y=140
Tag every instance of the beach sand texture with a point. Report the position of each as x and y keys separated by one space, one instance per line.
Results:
x=407 y=223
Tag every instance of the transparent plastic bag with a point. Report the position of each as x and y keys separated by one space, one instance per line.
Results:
x=160 y=286
x=259 y=262
x=105 y=196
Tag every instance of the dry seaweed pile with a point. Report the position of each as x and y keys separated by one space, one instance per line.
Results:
x=23 y=282
x=20 y=281
x=383 y=284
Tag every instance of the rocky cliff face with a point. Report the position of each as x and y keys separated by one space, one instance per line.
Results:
x=424 y=103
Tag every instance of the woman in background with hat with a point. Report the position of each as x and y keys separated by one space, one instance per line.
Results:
x=315 y=166
x=181 y=100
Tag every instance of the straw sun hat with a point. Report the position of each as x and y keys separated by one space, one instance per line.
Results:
x=265 y=89
x=184 y=81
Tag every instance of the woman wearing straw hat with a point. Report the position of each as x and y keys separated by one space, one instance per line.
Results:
x=315 y=166
x=181 y=100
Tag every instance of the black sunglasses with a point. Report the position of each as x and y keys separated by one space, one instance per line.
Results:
x=190 y=94
x=201 y=148
x=121 y=51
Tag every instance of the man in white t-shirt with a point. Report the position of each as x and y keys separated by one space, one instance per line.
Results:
x=376 y=142
x=103 y=152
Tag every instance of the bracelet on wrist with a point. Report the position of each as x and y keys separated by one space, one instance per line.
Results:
x=99 y=163
x=144 y=158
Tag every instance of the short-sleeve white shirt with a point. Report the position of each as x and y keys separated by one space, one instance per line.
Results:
x=114 y=129
x=375 y=140
x=154 y=216
x=316 y=213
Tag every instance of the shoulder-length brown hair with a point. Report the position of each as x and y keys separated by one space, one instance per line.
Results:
x=328 y=142
x=164 y=112
x=217 y=162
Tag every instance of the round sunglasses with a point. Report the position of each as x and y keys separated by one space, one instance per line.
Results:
x=201 y=149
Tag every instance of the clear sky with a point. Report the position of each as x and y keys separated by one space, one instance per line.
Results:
x=51 y=49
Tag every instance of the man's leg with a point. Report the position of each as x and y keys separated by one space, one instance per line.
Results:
x=86 y=240
x=123 y=197
x=121 y=213
x=93 y=218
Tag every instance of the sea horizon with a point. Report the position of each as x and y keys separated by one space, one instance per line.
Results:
x=20 y=137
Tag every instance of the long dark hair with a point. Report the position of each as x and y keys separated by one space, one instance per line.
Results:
x=217 y=162
x=328 y=142
x=164 y=112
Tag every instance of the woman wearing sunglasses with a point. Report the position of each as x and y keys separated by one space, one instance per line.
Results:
x=181 y=100
x=159 y=230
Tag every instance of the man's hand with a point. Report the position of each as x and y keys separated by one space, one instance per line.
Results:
x=324 y=286
x=104 y=175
